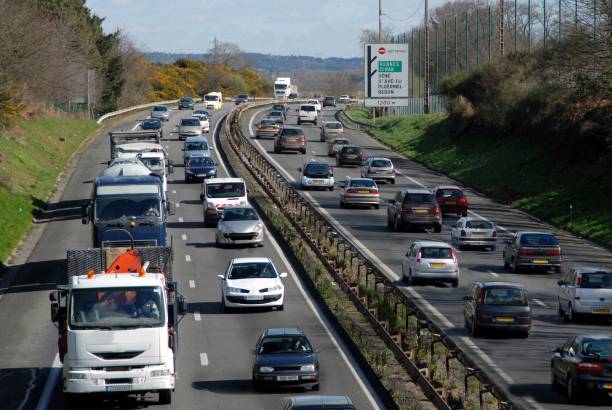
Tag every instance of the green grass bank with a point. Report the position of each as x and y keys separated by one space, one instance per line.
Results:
x=529 y=176
x=32 y=156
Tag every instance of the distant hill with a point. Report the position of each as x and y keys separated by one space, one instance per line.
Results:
x=271 y=63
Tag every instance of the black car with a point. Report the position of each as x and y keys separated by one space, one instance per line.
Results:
x=285 y=357
x=242 y=98
x=497 y=306
x=199 y=168
x=583 y=365
x=293 y=96
x=350 y=155
x=152 y=124
x=329 y=101
x=186 y=102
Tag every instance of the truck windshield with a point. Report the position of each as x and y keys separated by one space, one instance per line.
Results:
x=211 y=98
x=225 y=190
x=123 y=307
x=109 y=208
x=280 y=86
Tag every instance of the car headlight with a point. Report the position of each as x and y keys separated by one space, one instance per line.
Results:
x=77 y=376
x=212 y=172
x=259 y=226
x=160 y=373
x=266 y=369
x=307 y=368
x=243 y=203
x=275 y=288
x=233 y=290
x=188 y=171
x=222 y=228
x=211 y=207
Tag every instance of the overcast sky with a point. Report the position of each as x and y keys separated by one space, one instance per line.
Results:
x=320 y=28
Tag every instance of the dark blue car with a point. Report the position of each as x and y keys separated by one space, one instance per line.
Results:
x=284 y=357
x=153 y=124
x=199 y=168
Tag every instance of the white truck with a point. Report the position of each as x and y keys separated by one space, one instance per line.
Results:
x=283 y=88
x=118 y=322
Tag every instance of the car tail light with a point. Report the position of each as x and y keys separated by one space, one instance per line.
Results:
x=418 y=256
x=578 y=281
x=589 y=367
x=480 y=297
x=369 y=169
x=555 y=252
x=375 y=192
x=463 y=233
x=302 y=139
x=524 y=251
x=436 y=210
x=463 y=200
x=494 y=234
x=351 y=191
x=454 y=253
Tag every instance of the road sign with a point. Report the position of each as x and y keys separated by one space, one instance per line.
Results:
x=386 y=75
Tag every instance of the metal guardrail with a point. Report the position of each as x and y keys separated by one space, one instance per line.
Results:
x=428 y=354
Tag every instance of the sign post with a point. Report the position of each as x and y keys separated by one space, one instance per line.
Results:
x=386 y=75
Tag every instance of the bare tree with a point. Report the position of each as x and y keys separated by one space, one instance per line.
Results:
x=227 y=54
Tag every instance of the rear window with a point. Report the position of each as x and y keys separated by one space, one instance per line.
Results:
x=596 y=280
x=330 y=98
x=342 y=142
x=381 y=163
x=243 y=96
x=447 y=193
x=479 y=225
x=598 y=348
x=278 y=107
x=505 y=296
x=291 y=131
x=268 y=122
x=317 y=168
x=436 y=253
x=190 y=122
x=187 y=100
x=363 y=183
x=537 y=239
x=420 y=199
x=276 y=114
x=160 y=108
x=307 y=108
x=351 y=150
x=333 y=125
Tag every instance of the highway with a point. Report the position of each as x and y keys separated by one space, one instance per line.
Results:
x=521 y=364
x=215 y=353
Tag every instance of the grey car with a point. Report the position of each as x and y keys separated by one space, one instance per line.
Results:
x=196 y=147
x=585 y=291
x=379 y=169
x=240 y=225
x=290 y=139
x=161 y=112
x=414 y=207
x=474 y=232
x=330 y=129
x=532 y=250
x=497 y=306
x=189 y=127
x=186 y=102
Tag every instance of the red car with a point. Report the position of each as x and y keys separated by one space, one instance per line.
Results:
x=452 y=200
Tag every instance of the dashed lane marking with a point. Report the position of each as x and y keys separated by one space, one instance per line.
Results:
x=493 y=273
x=203 y=359
x=197 y=317
x=192 y=283
x=539 y=302
x=184 y=237
x=187 y=258
x=180 y=219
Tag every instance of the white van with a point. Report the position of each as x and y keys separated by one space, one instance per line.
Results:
x=218 y=193
x=307 y=113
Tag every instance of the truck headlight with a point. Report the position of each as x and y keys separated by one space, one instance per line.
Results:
x=307 y=368
x=77 y=376
x=160 y=373
x=266 y=369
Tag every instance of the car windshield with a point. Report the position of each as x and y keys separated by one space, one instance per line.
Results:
x=240 y=214
x=211 y=98
x=160 y=108
x=276 y=114
x=187 y=100
x=252 y=270
x=196 y=146
x=447 y=193
x=598 y=348
x=152 y=163
x=333 y=126
x=479 y=225
x=381 y=163
x=190 y=122
x=351 y=150
x=307 y=108
x=201 y=162
x=537 y=239
x=268 y=123
x=596 y=280
x=225 y=190
x=330 y=98
x=420 y=199
x=505 y=296
x=278 y=107
x=362 y=183
x=243 y=96
x=280 y=86
x=284 y=344
x=151 y=124
x=136 y=206
x=202 y=112
x=342 y=142
x=436 y=253
x=292 y=131
x=316 y=170
x=116 y=307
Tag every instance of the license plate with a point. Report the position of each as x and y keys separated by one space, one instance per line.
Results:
x=420 y=211
x=540 y=261
x=286 y=378
x=451 y=202
x=363 y=191
x=255 y=297
x=478 y=233
x=602 y=310
x=318 y=181
x=351 y=156
x=505 y=319
x=119 y=387
x=438 y=265
x=292 y=139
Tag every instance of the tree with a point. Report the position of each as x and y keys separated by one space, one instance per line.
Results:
x=227 y=54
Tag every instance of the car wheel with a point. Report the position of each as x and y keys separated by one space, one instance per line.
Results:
x=389 y=224
x=165 y=397
x=455 y=283
x=376 y=206
x=464 y=214
x=437 y=228
x=397 y=225
x=573 y=394
x=513 y=267
x=557 y=269
x=303 y=152
x=315 y=387
x=392 y=180
x=554 y=384
x=72 y=400
x=281 y=307
x=331 y=188
x=560 y=311
x=524 y=334
x=304 y=188
x=299 y=122
x=341 y=204
x=475 y=329
x=570 y=315
x=493 y=248
x=408 y=279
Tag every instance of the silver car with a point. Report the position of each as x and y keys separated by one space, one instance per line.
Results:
x=359 y=191
x=474 y=232
x=161 y=112
x=379 y=169
x=189 y=127
x=240 y=225
x=431 y=261
x=585 y=291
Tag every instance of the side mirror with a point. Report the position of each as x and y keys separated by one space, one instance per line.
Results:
x=282 y=275
x=211 y=148
x=53 y=297
x=170 y=208
x=221 y=277
x=170 y=169
x=54 y=311
x=561 y=283
x=85 y=213
x=299 y=169
x=508 y=241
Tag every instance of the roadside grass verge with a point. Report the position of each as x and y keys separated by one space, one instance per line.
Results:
x=526 y=175
x=32 y=156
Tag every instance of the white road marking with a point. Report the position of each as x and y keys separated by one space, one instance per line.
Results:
x=203 y=359
x=493 y=273
x=167 y=146
x=485 y=357
x=174 y=191
x=197 y=317
x=136 y=126
x=534 y=403
x=49 y=389
x=192 y=283
x=539 y=302
x=187 y=258
x=180 y=219
x=177 y=205
x=215 y=146
x=31 y=385
x=184 y=237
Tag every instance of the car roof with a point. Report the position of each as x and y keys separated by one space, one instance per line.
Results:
x=416 y=191
x=222 y=180
x=292 y=127
x=493 y=284
x=308 y=104
x=196 y=139
x=589 y=269
x=321 y=400
x=314 y=161
x=534 y=232
x=284 y=331
x=438 y=244
x=594 y=337
x=351 y=146
x=449 y=187
x=360 y=179
x=378 y=159
x=250 y=260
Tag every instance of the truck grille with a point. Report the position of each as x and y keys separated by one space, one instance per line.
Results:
x=118 y=355
x=119 y=381
x=127 y=244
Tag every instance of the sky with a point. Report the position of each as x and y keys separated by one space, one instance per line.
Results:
x=319 y=28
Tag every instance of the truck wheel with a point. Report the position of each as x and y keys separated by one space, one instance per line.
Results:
x=72 y=400
x=437 y=228
x=299 y=122
x=165 y=397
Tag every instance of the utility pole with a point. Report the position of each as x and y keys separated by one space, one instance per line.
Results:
x=426 y=96
x=379 y=21
x=501 y=27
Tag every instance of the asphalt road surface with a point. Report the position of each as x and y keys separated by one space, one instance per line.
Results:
x=215 y=356
x=521 y=364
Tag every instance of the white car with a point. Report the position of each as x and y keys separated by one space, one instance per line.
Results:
x=307 y=113
x=252 y=283
x=585 y=291
x=315 y=175
x=316 y=103
x=430 y=261
x=474 y=232
x=344 y=99
x=204 y=123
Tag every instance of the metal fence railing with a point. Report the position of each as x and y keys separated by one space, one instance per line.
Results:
x=437 y=104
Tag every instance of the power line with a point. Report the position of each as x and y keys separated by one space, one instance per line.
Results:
x=407 y=18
